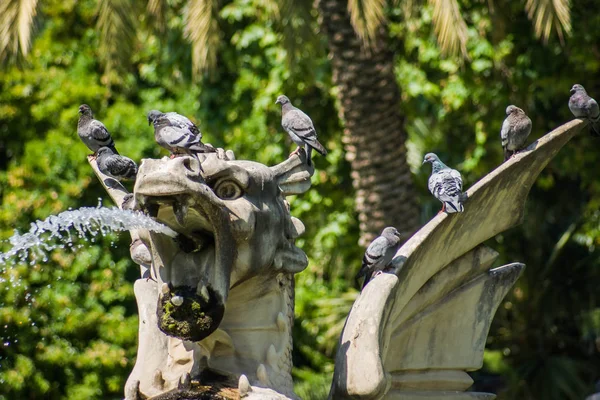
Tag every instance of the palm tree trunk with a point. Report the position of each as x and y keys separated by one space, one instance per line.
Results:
x=374 y=136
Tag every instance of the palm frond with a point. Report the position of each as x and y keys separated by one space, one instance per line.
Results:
x=407 y=7
x=366 y=17
x=16 y=26
x=202 y=30
x=158 y=10
x=117 y=25
x=548 y=14
x=450 y=27
x=295 y=23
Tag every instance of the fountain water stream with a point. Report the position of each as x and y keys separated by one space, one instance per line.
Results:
x=55 y=231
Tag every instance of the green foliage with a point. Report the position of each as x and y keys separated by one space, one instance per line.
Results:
x=544 y=334
x=69 y=324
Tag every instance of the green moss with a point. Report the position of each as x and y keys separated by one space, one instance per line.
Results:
x=194 y=319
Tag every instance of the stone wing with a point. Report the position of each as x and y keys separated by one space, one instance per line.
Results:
x=413 y=334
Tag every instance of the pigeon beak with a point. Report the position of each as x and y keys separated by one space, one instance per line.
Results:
x=424 y=162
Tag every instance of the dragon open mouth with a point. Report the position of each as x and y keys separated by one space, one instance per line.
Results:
x=192 y=225
x=194 y=275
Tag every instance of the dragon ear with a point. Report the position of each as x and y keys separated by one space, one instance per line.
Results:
x=290 y=258
x=293 y=175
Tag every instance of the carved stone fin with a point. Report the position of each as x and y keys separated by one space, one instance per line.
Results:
x=290 y=258
x=261 y=374
x=282 y=323
x=244 y=386
x=185 y=382
x=293 y=175
x=296 y=228
x=272 y=357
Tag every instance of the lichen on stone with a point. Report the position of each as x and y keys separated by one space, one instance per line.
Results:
x=194 y=319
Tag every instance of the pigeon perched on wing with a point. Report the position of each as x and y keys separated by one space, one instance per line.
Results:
x=300 y=128
x=114 y=165
x=583 y=106
x=379 y=254
x=445 y=184
x=92 y=132
x=177 y=134
x=515 y=129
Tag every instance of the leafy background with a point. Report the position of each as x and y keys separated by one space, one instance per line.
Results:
x=69 y=325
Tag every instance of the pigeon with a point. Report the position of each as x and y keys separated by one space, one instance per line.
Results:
x=177 y=134
x=177 y=120
x=300 y=128
x=515 y=129
x=379 y=254
x=445 y=184
x=583 y=106
x=92 y=132
x=114 y=165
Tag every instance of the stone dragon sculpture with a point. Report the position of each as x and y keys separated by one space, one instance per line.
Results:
x=216 y=303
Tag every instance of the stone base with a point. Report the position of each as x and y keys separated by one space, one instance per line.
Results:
x=445 y=395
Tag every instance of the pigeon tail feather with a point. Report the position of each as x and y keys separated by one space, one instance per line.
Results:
x=319 y=147
x=202 y=148
x=368 y=277
x=113 y=148
x=595 y=127
x=452 y=208
x=308 y=150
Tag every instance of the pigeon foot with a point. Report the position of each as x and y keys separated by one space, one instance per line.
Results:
x=295 y=152
x=443 y=208
x=514 y=154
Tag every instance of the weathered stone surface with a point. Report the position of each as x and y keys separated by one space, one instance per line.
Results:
x=222 y=304
x=438 y=379
x=152 y=343
x=458 y=322
x=443 y=395
x=410 y=335
x=436 y=311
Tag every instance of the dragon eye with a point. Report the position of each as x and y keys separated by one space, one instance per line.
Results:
x=228 y=189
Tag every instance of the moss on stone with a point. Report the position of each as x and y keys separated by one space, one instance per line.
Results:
x=200 y=392
x=208 y=386
x=194 y=319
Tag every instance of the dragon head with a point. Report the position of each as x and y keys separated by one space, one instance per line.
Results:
x=233 y=223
